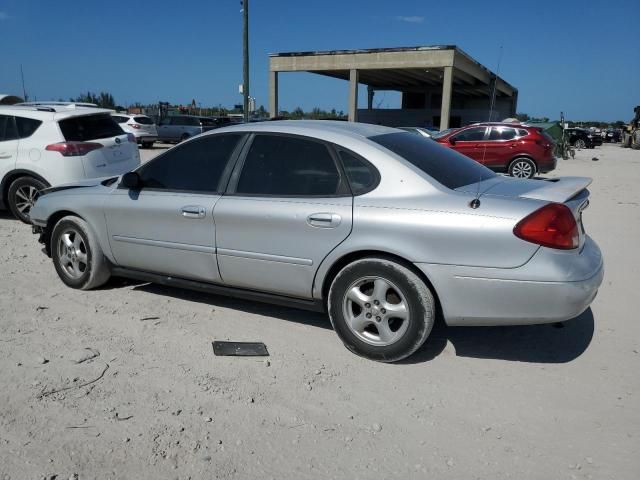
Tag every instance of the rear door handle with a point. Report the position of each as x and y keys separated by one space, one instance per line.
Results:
x=5 y=155
x=193 y=211
x=324 y=220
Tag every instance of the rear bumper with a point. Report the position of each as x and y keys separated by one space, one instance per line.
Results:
x=553 y=286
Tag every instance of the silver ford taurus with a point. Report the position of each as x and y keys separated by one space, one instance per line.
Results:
x=379 y=227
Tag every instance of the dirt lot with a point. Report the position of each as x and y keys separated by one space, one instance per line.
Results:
x=537 y=402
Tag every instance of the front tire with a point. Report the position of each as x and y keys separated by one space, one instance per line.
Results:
x=380 y=309
x=522 y=168
x=22 y=195
x=580 y=144
x=147 y=144
x=77 y=256
x=185 y=136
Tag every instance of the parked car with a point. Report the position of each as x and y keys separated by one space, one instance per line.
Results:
x=372 y=224
x=141 y=126
x=425 y=132
x=613 y=135
x=41 y=146
x=581 y=138
x=520 y=150
x=178 y=128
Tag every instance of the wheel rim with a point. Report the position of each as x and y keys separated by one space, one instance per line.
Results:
x=26 y=196
x=522 y=169
x=580 y=144
x=72 y=253
x=376 y=311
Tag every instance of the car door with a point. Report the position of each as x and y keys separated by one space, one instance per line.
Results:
x=468 y=142
x=499 y=147
x=167 y=226
x=287 y=207
x=8 y=144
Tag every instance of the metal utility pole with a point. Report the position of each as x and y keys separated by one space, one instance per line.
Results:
x=245 y=57
x=24 y=90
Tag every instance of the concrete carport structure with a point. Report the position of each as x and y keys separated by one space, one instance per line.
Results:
x=441 y=85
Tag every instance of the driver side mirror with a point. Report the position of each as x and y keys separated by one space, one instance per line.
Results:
x=132 y=181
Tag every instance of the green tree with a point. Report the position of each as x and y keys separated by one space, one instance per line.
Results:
x=523 y=117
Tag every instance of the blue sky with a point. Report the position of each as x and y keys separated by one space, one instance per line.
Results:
x=581 y=57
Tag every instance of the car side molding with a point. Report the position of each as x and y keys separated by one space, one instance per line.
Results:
x=292 y=302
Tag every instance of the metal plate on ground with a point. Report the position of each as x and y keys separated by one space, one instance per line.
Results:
x=240 y=349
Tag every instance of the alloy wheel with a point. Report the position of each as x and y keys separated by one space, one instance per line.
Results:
x=72 y=253
x=26 y=197
x=376 y=311
x=522 y=169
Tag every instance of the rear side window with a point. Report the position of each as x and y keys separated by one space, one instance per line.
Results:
x=26 y=126
x=362 y=176
x=277 y=165
x=7 y=128
x=470 y=135
x=120 y=119
x=446 y=166
x=522 y=132
x=89 y=127
x=502 y=133
x=208 y=122
x=194 y=166
x=143 y=120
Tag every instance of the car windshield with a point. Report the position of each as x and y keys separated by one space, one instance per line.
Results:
x=143 y=120
x=443 y=132
x=89 y=127
x=446 y=166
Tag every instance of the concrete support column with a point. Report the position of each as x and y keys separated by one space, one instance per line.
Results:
x=353 y=95
x=447 y=87
x=514 y=103
x=273 y=94
x=370 y=93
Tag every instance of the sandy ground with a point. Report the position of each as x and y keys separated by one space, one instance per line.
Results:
x=536 y=402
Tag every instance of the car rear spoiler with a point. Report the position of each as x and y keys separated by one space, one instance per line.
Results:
x=558 y=189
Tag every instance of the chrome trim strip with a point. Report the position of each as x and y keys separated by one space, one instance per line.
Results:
x=163 y=244
x=265 y=256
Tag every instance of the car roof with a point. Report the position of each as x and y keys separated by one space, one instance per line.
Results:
x=45 y=112
x=312 y=128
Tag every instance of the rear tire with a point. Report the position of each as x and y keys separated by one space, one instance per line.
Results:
x=184 y=137
x=77 y=256
x=580 y=144
x=147 y=144
x=522 y=167
x=23 y=193
x=380 y=309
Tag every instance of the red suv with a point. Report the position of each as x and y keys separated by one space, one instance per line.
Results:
x=520 y=150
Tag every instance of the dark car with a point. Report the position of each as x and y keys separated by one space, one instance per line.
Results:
x=520 y=150
x=581 y=138
x=612 y=136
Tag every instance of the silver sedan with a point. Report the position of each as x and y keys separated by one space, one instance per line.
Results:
x=378 y=227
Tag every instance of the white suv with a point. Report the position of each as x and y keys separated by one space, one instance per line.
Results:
x=141 y=126
x=44 y=146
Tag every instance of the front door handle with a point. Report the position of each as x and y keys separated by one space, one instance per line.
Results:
x=193 y=211
x=324 y=220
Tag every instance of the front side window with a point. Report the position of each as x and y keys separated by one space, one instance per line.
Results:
x=194 y=166
x=7 y=128
x=470 y=135
x=278 y=165
x=445 y=165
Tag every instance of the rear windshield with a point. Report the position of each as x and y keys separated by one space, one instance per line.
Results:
x=446 y=166
x=143 y=120
x=89 y=127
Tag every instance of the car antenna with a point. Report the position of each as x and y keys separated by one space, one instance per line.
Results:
x=475 y=203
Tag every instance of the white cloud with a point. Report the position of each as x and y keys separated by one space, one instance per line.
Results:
x=410 y=19
x=4 y=15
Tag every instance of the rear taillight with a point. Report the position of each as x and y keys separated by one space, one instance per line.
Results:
x=551 y=226
x=131 y=137
x=73 y=149
x=134 y=125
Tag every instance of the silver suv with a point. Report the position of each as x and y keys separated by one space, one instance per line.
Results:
x=179 y=128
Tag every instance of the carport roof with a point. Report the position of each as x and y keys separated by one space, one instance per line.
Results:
x=403 y=68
